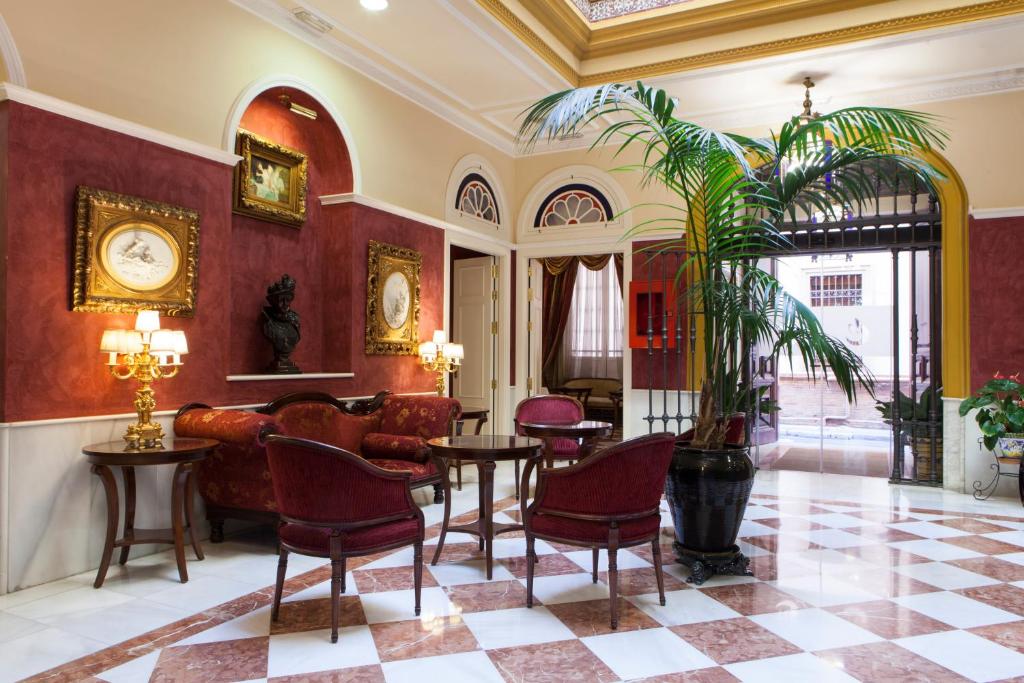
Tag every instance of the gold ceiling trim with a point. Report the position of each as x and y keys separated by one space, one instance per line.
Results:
x=877 y=29
x=850 y=34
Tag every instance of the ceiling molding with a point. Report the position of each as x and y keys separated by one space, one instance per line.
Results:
x=277 y=16
x=878 y=29
x=31 y=98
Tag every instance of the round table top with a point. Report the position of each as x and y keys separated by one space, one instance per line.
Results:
x=582 y=429
x=486 y=446
x=173 y=450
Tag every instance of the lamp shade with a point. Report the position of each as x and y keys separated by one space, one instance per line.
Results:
x=180 y=343
x=161 y=341
x=147 y=321
x=454 y=351
x=428 y=351
x=440 y=337
x=112 y=341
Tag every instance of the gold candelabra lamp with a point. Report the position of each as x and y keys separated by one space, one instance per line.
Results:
x=146 y=353
x=441 y=356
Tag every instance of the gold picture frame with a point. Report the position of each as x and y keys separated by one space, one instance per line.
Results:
x=392 y=300
x=133 y=253
x=270 y=180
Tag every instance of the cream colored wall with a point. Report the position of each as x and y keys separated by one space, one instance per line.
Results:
x=179 y=66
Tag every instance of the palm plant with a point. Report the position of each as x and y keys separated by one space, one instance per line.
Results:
x=735 y=195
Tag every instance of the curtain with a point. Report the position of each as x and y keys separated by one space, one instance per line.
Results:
x=560 y=275
x=592 y=343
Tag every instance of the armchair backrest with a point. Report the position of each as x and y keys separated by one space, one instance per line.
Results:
x=326 y=423
x=319 y=484
x=624 y=480
x=553 y=408
x=425 y=416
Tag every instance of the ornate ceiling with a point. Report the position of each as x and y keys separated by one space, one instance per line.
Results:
x=598 y=10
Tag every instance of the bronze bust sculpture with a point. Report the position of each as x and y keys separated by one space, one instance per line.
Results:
x=281 y=325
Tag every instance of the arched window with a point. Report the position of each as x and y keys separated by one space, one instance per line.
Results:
x=476 y=198
x=575 y=204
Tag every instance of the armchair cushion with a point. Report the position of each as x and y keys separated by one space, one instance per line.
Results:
x=317 y=540
x=394 y=447
x=420 y=470
x=325 y=423
x=583 y=530
x=424 y=416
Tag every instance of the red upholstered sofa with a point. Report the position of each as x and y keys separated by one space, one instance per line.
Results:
x=391 y=431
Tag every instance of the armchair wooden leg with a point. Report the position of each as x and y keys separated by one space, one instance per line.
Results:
x=337 y=574
x=343 y=572
x=438 y=493
x=517 y=480
x=282 y=569
x=594 y=573
x=458 y=473
x=658 y=571
x=613 y=573
x=531 y=560
x=417 y=573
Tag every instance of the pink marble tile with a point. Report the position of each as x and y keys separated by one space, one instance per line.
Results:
x=970 y=525
x=883 y=534
x=888 y=619
x=313 y=615
x=558 y=662
x=358 y=674
x=593 y=617
x=1009 y=635
x=547 y=565
x=782 y=543
x=754 y=598
x=668 y=554
x=492 y=595
x=715 y=674
x=993 y=567
x=220 y=662
x=643 y=580
x=1002 y=595
x=983 y=544
x=389 y=579
x=888 y=584
x=888 y=662
x=883 y=555
x=734 y=640
x=422 y=638
x=790 y=524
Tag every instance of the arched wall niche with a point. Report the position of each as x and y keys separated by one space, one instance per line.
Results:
x=313 y=253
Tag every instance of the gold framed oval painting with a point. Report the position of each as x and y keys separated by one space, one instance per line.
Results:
x=133 y=253
x=392 y=300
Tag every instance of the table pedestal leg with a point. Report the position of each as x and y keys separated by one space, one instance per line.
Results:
x=129 y=511
x=178 y=487
x=487 y=511
x=110 y=486
x=190 y=504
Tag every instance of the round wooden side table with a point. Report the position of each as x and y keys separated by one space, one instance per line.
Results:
x=182 y=453
x=468 y=413
x=587 y=432
x=486 y=451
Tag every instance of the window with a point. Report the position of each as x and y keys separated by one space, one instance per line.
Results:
x=592 y=345
x=575 y=204
x=836 y=290
x=476 y=198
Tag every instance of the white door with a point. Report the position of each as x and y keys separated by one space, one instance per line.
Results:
x=473 y=326
x=534 y=331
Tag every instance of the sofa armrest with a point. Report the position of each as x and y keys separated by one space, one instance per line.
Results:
x=237 y=427
x=394 y=447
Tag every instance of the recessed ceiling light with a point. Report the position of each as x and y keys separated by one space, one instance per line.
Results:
x=374 y=5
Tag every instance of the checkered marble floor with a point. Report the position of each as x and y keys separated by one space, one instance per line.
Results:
x=842 y=591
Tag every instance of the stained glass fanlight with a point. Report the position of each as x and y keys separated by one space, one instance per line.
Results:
x=476 y=198
x=576 y=204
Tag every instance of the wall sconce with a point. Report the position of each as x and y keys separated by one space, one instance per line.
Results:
x=146 y=353
x=297 y=108
x=441 y=356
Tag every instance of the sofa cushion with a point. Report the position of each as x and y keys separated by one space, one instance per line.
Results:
x=318 y=539
x=424 y=416
x=325 y=423
x=394 y=447
x=420 y=470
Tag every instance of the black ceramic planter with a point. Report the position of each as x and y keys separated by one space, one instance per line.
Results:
x=707 y=493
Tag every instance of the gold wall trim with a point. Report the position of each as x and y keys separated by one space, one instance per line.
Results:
x=878 y=29
x=519 y=29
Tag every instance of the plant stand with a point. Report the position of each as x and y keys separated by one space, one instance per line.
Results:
x=984 y=492
x=705 y=565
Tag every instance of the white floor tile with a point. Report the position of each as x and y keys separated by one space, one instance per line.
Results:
x=801 y=668
x=756 y=512
x=12 y=627
x=79 y=600
x=969 y=655
x=955 y=609
x=118 y=623
x=38 y=592
x=945 y=576
x=682 y=573
x=202 y=592
x=834 y=538
x=472 y=571
x=134 y=671
x=838 y=520
x=551 y=590
x=465 y=667
x=814 y=629
x=310 y=651
x=400 y=605
x=403 y=557
x=647 y=652
x=682 y=607
x=252 y=625
x=1014 y=537
x=823 y=590
x=516 y=547
x=43 y=650
x=935 y=550
x=751 y=528
x=625 y=559
x=517 y=626
x=323 y=590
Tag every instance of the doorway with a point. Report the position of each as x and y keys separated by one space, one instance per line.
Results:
x=474 y=323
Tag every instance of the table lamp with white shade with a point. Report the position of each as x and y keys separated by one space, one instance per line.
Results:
x=441 y=356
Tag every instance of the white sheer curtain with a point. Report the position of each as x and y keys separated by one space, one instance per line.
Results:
x=592 y=344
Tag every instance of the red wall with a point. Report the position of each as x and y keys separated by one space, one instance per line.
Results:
x=996 y=297
x=51 y=364
x=650 y=369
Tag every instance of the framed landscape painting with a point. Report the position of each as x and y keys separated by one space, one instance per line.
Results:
x=270 y=180
x=392 y=300
x=133 y=253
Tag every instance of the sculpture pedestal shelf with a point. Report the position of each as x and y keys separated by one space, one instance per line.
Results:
x=705 y=565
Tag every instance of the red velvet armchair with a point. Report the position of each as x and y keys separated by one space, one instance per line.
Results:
x=549 y=409
x=335 y=504
x=390 y=431
x=609 y=500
